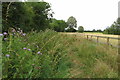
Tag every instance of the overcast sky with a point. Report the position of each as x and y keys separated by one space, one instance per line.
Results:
x=91 y=14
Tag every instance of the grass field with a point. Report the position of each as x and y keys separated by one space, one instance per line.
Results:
x=92 y=60
x=113 y=42
x=53 y=55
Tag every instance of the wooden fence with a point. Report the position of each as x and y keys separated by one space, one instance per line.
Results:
x=107 y=39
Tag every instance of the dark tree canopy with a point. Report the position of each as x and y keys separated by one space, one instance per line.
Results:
x=27 y=16
x=58 y=25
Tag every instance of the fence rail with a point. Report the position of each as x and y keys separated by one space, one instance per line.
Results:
x=107 y=38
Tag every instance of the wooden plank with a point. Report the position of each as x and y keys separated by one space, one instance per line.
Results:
x=104 y=37
x=108 y=40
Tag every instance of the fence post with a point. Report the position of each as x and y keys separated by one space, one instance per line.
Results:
x=87 y=36
x=91 y=37
x=108 y=40
x=97 y=38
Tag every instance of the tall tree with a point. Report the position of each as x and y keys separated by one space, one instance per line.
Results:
x=72 y=22
x=26 y=16
x=42 y=16
x=58 y=25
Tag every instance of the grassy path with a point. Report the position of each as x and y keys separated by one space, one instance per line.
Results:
x=91 y=60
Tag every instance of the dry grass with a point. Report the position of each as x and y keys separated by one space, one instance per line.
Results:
x=91 y=60
x=113 y=42
x=102 y=68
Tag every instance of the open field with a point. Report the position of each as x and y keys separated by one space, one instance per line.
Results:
x=113 y=42
x=52 y=55
x=101 y=34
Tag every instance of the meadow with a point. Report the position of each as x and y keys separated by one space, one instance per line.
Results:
x=49 y=54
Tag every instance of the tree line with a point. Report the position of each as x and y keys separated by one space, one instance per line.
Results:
x=27 y=16
x=37 y=16
x=30 y=16
x=114 y=28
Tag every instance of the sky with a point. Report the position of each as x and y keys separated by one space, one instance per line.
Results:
x=91 y=14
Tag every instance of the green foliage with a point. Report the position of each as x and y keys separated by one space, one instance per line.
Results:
x=58 y=25
x=70 y=30
x=99 y=30
x=114 y=28
x=92 y=59
x=72 y=22
x=27 y=16
x=36 y=55
x=80 y=29
x=48 y=54
x=33 y=0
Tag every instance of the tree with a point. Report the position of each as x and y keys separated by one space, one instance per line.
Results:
x=71 y=30
x=58 y=25
x=72 y=22
x=94 y=30
x=114 y=28
x=80 y=29
x=99 y=30
x=33 y=0
x=42 y=16
x=27 y=16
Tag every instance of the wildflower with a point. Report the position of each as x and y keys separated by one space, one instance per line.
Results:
x=29 y=49
x=24 y=48
x=5 y=39
x=24 y=34
x=5 y=33
x=7 y=55
x=13 y=30
x=1 y=34
x=39 y=52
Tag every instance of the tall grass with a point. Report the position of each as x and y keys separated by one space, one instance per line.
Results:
x=48 y=54
x=92 y=60
x=35 y=55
